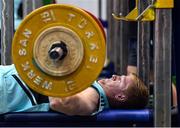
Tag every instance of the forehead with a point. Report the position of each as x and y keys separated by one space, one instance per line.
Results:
x=133 y=77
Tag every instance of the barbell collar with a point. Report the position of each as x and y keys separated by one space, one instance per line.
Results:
x=58 y=51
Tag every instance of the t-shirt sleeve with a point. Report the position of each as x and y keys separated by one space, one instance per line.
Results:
x=103 y=102
x=13 y=97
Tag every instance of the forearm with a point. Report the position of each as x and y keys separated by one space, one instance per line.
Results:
x=64 y=105
x=83 y=103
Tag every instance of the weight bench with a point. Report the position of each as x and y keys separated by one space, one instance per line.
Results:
x=142 y=117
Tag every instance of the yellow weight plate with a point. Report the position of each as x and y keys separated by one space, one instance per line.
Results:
x=99 y=23
x=36 y=35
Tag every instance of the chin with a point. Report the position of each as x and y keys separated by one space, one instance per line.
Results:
x=102 y=81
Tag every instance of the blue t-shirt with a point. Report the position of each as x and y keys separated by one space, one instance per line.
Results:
x=14 y=99
x=103 y=101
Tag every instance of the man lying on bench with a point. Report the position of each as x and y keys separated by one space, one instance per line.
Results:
x=116 y=92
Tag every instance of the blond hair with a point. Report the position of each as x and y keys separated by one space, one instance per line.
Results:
x=137 y=95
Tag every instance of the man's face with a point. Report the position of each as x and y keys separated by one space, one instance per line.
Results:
x=116 y=84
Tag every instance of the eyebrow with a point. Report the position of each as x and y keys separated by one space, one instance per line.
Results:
x=135 y=77
x=134 y=74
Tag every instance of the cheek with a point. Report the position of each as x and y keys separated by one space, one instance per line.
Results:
x=111 y=94
x=112 y=90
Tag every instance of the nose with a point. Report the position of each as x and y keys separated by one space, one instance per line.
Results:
x=116 y=77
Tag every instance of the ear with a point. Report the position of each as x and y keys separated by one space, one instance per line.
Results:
x=121 y=97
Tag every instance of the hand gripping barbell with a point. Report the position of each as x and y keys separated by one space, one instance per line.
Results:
x=59 y=50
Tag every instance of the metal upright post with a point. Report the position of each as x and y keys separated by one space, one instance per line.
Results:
x=30 y=5
x=143 y=46
x=27 y=7
x=100 y=9
x=37 y=4
x=110 y=32
x=162 y=90
x=116 y=49
x=121 y=37
x=7 y=30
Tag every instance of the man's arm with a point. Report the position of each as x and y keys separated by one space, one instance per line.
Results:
x=83 y=103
